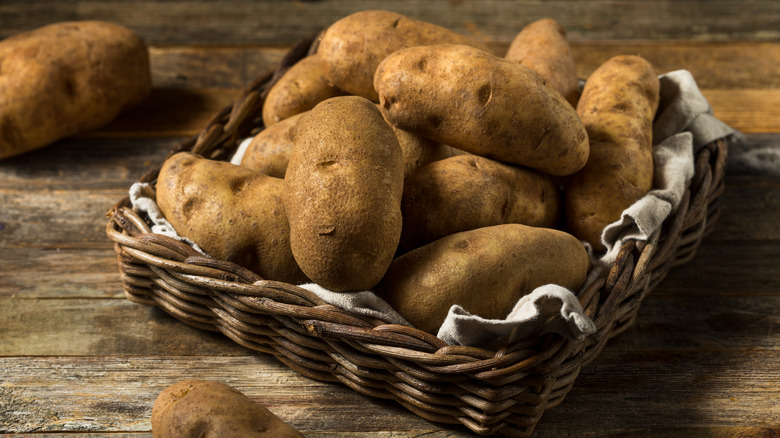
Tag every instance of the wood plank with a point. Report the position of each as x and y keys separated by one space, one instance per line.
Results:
x=112 y=327
x=672 y=389
x=747 y=110
x=211 y=67
x=671 y=323
x=726 y=269
x=172 y=112
x=618 y=391
x=79 y=222
x=750 y=208
x=60 y=273
x=274 y=22
x=85 y=163
x=731 y=65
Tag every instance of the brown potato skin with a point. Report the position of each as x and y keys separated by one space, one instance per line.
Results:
x=543 y=47
x=298 y=90
x=231 y=212
x=209 y=409
x=343 y=194
x=485 y=270
x=352 y=47
x=67 y=78
x=270 y=149
x=617 y=106
x=418 y=151
x=481 y=103
x=465 y=192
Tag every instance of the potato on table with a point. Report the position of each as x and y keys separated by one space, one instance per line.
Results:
x=468 y=191
x=352 y=47
x=543 y=47
x=67 y=78
x=209 y=409
x=231 y=212
x=343 y=194
x=617 y=106
x=480 y=103
x=486 y=271
x=299 y=89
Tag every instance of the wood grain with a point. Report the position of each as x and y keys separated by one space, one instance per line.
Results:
x=284 y=22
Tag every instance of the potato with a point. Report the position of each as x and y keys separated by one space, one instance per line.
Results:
x=232 y=213
x=270 y=149
x=467 y=192
x=419 y=151
x=209 y=409
x=297 y=90
x=486 y=271
x=343 y=194
x=481 y=103
x=352 y=47
x=617 y=106
x=543 y=47
x=67 y=78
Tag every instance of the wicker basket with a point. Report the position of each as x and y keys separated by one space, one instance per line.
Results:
x=503 y=392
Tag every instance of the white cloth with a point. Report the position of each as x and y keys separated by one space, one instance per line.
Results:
x=549 y=308
x=684 y=123
x=363 y=302
x=143 y=198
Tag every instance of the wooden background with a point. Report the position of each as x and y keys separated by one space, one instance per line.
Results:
x=702 y=360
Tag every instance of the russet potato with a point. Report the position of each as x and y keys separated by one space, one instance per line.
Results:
x=543 y=47
x=465 y=192
x=67 y=78
x=299 y=89
x=231 y=212
x=478 y=102
x=486 y=271
x=210 y=409
x=617 y=106
x=270 y=149
x=343 y=192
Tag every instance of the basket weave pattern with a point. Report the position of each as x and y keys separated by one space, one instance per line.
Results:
x=502 y=392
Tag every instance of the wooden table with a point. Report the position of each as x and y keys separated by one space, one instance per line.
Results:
x=703 y=358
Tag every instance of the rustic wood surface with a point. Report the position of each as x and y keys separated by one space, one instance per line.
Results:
x=76 y=357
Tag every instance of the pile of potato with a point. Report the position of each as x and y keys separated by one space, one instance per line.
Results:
x=407 y=159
